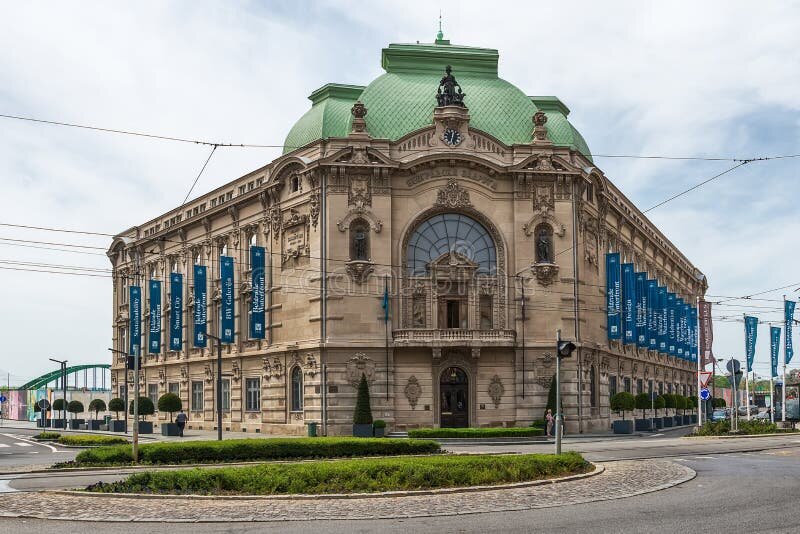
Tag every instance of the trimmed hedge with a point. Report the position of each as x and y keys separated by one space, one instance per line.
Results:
x=47 y=436
x=352 y=476
x=475 y=432
x=244 y=450
x=81 y=440
x=722 y=428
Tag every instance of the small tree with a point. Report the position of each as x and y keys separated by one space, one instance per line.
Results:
x=680 y=404
x=146 y=407
x=643 y=403
x=623 y=402
x=169 y=402
x=659 y=404
x=97 y=406
x=75 y=407
x=669 y=400
x=60 y=405
x=116 y=405
x=551 y=399
x=363 y=413
x=719 y=403
x=692 y=403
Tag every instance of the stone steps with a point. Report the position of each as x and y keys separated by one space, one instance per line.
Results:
x=397 y=435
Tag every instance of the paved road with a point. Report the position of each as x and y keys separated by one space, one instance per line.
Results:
x=19 y=451
x=739 y=492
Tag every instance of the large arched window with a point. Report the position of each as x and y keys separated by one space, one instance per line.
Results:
x=297 y=389
x=450 y=233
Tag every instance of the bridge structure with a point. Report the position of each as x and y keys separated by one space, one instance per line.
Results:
x=74 y=375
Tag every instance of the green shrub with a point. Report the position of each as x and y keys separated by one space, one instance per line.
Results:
x=538 y=423
x=721 y=428
x=116 y=405
x=719 y=403
x=58 y=405
x=379 y=423
x=75 y=407
x=97 y=406
x=669 y=400
x=169 y=402
x=47 y=436
x=623 y=402
x=475 y=432
x=146 y=407
x=363 y=412
x=245 y=450
x=643 y=403
x=91 y=440
x=352 y=476
x=659 y=403
x=692 y=402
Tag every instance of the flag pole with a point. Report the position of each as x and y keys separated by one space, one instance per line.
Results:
x=747 y=369
x=386 y=327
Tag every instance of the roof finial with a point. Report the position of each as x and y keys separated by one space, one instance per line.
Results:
x=440 y=35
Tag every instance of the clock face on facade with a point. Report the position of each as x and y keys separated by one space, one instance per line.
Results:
x=451 y=137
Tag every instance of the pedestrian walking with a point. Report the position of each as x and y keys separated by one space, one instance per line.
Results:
x=548 y=417
x=181 y=420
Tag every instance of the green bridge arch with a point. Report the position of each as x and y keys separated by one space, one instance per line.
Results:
x=46 y=378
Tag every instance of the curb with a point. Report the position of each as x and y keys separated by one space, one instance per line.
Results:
x=740 y=436
x=598 y=469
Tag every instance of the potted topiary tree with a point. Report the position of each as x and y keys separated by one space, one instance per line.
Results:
x=96 y=406
x=623 y=402
x=658 y=405
x=59 y=405
x=693 y=407
x=42 y=406
x=362 y=418
x=75 y=407
x=169 y=402
x=379 y=428
x=680 y=405
x=146 y=408
x=643 y=403
x=669 y=403
x=116 y=405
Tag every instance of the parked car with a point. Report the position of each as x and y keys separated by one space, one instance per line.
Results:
x=718 y=415
x=763 y=416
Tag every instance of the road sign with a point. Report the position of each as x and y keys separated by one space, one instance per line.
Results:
x=704 y=394
x=3 y=398
x=705 y=378
x=733 y=366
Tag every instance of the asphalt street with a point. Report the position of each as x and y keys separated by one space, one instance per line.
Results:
x=18 y=449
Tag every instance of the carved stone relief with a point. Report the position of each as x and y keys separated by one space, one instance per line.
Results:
x=413 y=391
x=452 y=196
x=496 y=390
x=360 y=364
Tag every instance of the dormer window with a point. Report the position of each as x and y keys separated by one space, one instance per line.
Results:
x=294 y=186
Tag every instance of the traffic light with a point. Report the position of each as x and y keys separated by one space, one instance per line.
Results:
x=132 y=363
x=565 y=349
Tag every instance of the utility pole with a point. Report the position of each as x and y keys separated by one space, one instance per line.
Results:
x=63 y=364
x=136 y=362
x=522 y=283
x=219 y=385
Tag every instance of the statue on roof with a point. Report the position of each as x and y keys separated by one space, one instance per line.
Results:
x=447 y=95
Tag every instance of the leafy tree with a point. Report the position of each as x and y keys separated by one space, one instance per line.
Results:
x=692 y=402
x=60 y=405
x=169 y=402
x=75 y=407
x=659 y=404
x=363 y=412
x=623 y=402
x=116 y=405
x=669 y=400
x=146 y=407
x=643 y=403
x=97 y=406
x=681 y=403
x=719 y=403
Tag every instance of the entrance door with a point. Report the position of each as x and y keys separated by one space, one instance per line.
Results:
x=454 y=399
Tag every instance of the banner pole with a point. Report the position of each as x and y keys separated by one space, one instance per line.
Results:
x=771 y=398
x=783 y=387
x=746 y=368
x=697 y=356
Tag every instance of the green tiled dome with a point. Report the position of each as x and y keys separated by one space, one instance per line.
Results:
x=402 y=100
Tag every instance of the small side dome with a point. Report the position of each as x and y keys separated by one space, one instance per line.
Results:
x=329 y=115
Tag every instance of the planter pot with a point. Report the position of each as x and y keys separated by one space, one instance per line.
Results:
x=693 y=419
x=95 y=424
x=659 y=422
x=379 y=431
x=58 y=423
x=623 y=427
x=170 y=429
x=104 y=428
x=668 y=421
x=678 y=420
x=75 y=424
x=116 y=426
x=145 y=427
x=84 y=426
x=642 y=425
x=687 y=419
x=362 y=431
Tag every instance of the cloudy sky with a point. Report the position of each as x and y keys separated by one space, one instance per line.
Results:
x=640 y=78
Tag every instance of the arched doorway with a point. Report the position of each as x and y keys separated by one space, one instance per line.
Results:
x=454 y=398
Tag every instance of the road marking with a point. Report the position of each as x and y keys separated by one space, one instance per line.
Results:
x=33 y=443
x=4 y=445
x=704 y=457
x=5 y=488
x=20 y=444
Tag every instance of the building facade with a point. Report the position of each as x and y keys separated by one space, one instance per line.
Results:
x=476 y=209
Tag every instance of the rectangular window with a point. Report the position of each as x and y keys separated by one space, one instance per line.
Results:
x=486 y=312
x=122 y=392
x=152 y=392
x=650 y=387
x=627 y=382
x=253 y=394
x=197 y=396
x=639 y=386
x=661 y=388
x=453 y=314
x=669 y=388
x=612 y=386
x=590 y=192
x=174 y=388
x=592 y=387
x=226 y=395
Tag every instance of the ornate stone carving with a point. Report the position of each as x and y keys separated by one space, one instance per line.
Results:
x=546 y=273
x=184 y=374
x=272 y=369
x=162 y=376
x=360 y=364
x=496 y=390
x=540 y=129
x=236 y=371
x=209 y=374
x=359 y=111
x=546 y=360
x=359 y=270
x=274 y=214
x=452 y=196
x=446 y=94
x=544 y=381
x=313 y=208
x=311 y=365
x=359 y=192
x=413 y=391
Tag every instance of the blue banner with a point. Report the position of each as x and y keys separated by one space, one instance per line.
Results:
x=774 y=348
x=226 y=324
x=258 y=299
x=641 y=310
x=652 y=315
x=154 y=346
x=662 y=317
x=135 y=319
x=628 y=303
x=200 y=306
x=695 y=344
x=687 y=332
x=679 y=327
x=613 y=296
x=788 y=309
x=176 y=311
x=750 y=336
x=671 y=325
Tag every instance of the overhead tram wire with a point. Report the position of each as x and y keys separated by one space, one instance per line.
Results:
x=213 y=149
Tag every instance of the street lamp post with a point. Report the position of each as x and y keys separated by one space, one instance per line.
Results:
x=563 y=350
x=127 y=367
x=219 y=385
x=63 y=364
